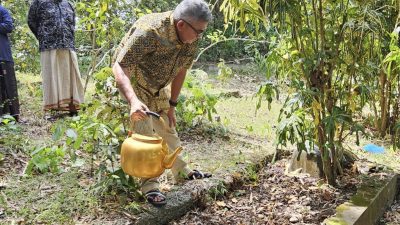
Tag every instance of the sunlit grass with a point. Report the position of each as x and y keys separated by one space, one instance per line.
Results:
x=240 y=115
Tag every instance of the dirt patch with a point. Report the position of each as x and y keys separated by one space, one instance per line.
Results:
x=274 y=198
x=14 y=163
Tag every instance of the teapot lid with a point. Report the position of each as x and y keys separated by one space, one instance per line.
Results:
x=140 y=137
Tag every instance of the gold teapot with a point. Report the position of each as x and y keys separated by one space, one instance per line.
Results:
x=147 y=156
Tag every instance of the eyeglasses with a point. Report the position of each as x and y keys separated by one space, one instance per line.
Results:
x=199 y=33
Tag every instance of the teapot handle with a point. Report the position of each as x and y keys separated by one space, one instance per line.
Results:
x=150 y=113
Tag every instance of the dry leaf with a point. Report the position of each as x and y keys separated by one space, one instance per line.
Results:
x=326 y=195
x=221 y=203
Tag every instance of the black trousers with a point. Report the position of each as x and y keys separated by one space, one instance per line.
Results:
x=9 y=103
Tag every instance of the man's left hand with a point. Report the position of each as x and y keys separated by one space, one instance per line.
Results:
x=171 y=117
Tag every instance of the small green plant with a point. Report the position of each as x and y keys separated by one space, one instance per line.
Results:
x=7 y=122
x=224 y=72
x=249 y=128
x=251 y=174
x=218 y=191
x=133 y=207
x=45 y=159
x=12 y=139
x=115 y=182
x=196 y=105
x=216 y=130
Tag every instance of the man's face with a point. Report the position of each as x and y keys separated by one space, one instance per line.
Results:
x=190 y=31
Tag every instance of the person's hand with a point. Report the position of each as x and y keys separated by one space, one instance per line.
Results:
x=138 y=110
x=171 y=117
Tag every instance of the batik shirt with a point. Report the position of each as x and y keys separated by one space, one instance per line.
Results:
x=53 y=24
x=152 y=53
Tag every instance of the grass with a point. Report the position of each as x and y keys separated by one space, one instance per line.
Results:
x=30 y=93
x=239 y=115
x=50 y=199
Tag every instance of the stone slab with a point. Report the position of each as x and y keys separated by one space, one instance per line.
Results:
x=180 y=202
x=369 y=203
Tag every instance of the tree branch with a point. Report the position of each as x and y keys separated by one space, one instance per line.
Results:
x=229 y=39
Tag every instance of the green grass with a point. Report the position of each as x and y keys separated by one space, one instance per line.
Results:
x=49 y=199
x=239 y=114
x=30 y=92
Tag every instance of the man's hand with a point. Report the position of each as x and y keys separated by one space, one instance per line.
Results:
x=138 y=110
x=171 y=117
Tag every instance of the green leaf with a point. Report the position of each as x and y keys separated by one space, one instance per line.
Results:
x=78 y=142
x=58 y=132
x=78 y=163
x=71 y=134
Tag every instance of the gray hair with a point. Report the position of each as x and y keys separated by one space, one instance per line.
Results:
x=193 y=10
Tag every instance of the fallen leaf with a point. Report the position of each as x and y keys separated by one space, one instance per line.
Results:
x=326 y=195
x=221 y=203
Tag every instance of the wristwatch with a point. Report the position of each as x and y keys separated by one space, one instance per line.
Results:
x=172 y=103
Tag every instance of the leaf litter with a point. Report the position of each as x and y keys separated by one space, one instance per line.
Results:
x=275 y=198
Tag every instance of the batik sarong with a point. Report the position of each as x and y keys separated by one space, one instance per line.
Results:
x=62 y=85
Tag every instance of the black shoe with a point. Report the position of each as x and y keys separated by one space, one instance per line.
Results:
x=73 y=113
x=50 y=118
x=151 y=198
x=196 y=175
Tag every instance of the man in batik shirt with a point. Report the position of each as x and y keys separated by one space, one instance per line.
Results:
x=150 y=68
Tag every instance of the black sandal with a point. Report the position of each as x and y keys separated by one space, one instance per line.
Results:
x=151 y=198
x=195 y=175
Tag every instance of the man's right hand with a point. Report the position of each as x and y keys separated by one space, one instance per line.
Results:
x=138 y=110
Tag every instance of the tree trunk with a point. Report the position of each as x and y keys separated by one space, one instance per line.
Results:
x=383 y=102
x=326 y=158
x=94 y=59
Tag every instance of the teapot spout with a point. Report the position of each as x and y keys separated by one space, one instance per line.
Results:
x=170 y=159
